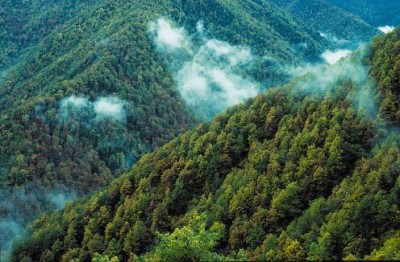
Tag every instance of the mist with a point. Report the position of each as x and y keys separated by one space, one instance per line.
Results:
x=319 y=79
x=213 y=75
x=101 y=108
x=74 y=101
x=167 y=36
x=10 y=231
x=109 y=107
x=332 y=57
x=386 y=29
x=334 y=39
x=16 y=203
x=59 y=199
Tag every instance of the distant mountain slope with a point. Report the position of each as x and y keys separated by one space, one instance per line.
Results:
x=330 y=20
x=298 y=173
x=89 y=93
x=375 y=12
x=25 y=23
x=107 y=51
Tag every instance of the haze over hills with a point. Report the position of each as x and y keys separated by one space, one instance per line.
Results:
x=306 y=171
x=89 y=87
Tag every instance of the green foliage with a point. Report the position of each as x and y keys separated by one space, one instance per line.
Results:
x=250 y=179
x=54 y=49
x=189 y=243
x=99 y=258
x=389 y=251
x=284 y=176
x=385 y=69
x=377 y=13
x=341 y=26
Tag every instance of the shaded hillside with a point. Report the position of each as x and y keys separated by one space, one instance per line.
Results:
x=375 y=12
x=24 y=23
x=332 y=21
x=301 y=172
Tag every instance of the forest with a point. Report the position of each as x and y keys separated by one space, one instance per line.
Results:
x=183 y=130
x=284 y=176
x=62 y=57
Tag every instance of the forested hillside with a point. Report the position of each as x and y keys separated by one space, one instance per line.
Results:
x=303 y=171
x=24 y=23
x=342 y=27
x=375 y=12
x=85 y=92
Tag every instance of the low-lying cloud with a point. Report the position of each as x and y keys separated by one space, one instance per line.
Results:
x=209 y=83
x=101 y=108
x=320 y=79
x=200 y=27
x=109 y=107
x=18 y=206
x=75 y=102
x=167 y=36
x=386 y=29
x=332 y=57
x=334 y=39
x=212 y=76
x=60 y=199
x=10 y=231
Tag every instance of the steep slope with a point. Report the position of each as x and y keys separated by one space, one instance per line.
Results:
x=89 y=93
x=25 y=23
x=375 y=12
x=81 y=56
x=330 y=20
x=293 y=174
x=386 y=71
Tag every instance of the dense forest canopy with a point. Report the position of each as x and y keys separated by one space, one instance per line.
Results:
x=265 y=130
x=84 y=91
x=375 y=12
x=342 y=27
x=267 y=180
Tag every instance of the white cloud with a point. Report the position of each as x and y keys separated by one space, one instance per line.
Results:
x=200 y=26
x=235 y=55
x=109 y=107
x=211 y=79
x=386 y=29
x=332 y=57
x=102 y=107
x=168 y=37
x=320 y=79
x=74 y=101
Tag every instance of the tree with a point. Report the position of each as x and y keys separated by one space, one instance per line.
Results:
x=189 y=243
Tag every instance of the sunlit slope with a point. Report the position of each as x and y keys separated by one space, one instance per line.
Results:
x=386 y=70
x=267 y=180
